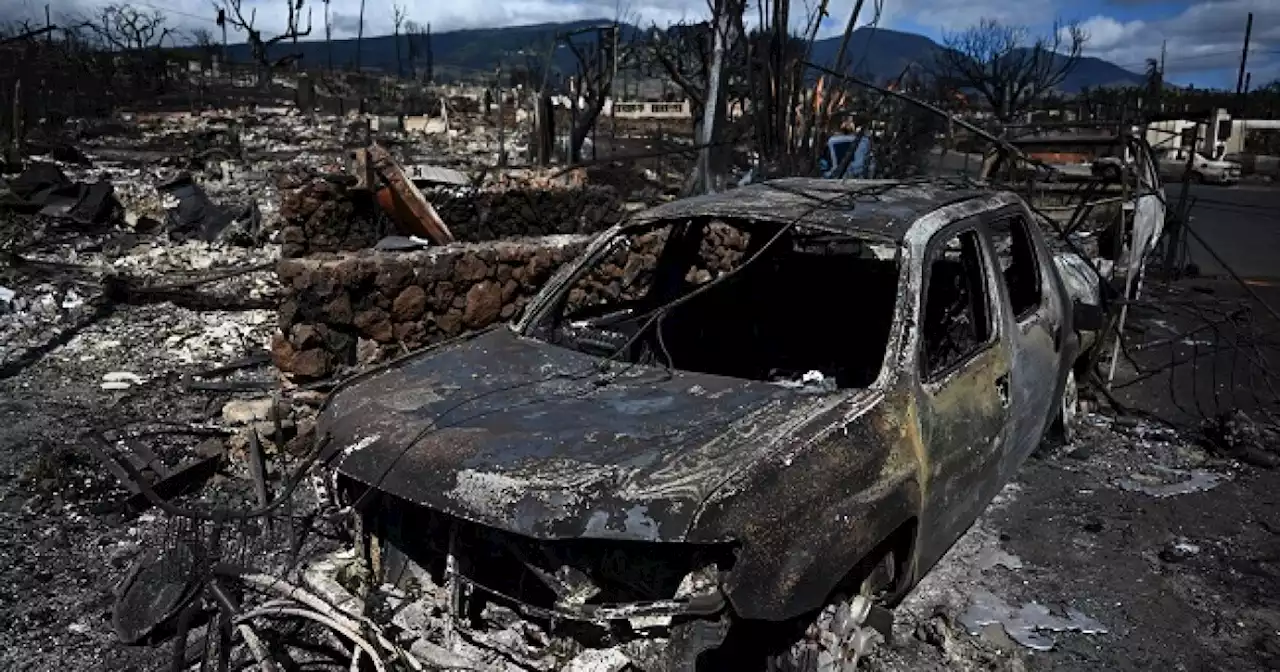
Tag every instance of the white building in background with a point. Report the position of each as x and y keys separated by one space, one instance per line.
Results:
x=1221 y=136
x=633 y=110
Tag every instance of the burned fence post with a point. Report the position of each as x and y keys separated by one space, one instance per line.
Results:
x=15 y=140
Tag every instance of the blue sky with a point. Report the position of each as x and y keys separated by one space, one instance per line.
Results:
x=1204 y=37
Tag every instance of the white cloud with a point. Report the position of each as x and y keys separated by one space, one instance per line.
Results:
x=1204 y=40
x=1106 y=33
x=955 y=15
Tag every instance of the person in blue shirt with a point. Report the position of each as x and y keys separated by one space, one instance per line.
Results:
x=838 y=147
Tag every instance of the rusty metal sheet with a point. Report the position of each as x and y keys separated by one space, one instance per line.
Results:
x=424 y=221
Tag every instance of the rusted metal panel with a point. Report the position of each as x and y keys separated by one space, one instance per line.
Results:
x=424 y=221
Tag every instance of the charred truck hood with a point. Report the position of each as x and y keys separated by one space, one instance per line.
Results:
x=550 y=443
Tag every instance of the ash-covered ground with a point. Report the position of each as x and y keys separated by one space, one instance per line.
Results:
x=1139 y=545
x=1144 y=549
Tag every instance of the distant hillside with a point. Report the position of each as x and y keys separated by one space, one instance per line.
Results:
x=883 y=54
x=876 y=52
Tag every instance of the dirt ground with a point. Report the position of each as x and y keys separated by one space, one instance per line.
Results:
x=1145 y=549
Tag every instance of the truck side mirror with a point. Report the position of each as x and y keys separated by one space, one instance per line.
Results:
x=1086 y=317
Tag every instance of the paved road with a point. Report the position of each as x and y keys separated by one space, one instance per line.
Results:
x=1241 y=223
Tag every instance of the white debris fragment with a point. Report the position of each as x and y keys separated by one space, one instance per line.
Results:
x=1027 y=624
x=120 y=380
x=1187 y=548
x=599 y=660
x=7 y=295
x=995 y=557
x=649 y=622
x=1171 y=482
x=71 y=300
x=810 y=381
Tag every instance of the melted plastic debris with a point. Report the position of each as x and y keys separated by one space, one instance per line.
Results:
x=1169 y=482
x=1028 y=624
x=995 y=557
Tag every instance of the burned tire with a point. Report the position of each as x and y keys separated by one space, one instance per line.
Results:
x=1063 y=428
x=836 y=641
x=1111 y=173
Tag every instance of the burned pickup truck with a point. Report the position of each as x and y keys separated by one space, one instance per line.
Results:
x=731 y=435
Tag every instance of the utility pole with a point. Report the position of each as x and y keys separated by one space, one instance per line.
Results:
x=613 y=98
x=1174 y=235
x=1244 y=55
x=1244 y=97
x=431 y=58
x=359 y=35
x=328 y=34
x=502 y=142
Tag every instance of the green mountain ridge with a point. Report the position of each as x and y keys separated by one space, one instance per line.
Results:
x=879 y=53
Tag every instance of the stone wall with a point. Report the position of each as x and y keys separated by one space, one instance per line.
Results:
x=324 y=216
x=359 y=307
x=518 y=212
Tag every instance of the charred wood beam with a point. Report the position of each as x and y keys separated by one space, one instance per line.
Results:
x=27 y=35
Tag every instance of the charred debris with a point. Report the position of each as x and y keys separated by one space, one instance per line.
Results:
x=430 y=487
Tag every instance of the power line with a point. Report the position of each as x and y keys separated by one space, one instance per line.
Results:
x=1195 y=57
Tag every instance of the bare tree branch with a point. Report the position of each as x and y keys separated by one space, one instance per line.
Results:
x=258 y=46
x=125 y=28
x=595 y=81
x=397 y=20
x=1006 y=65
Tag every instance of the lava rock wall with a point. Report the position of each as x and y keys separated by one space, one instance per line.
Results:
x=324 y=216
x=361 y=307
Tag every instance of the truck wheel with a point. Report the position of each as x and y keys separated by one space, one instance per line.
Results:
x=1198 y=178
x=1111 y=173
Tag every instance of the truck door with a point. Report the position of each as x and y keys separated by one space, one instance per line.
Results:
x=1036 y=330
x=963 y=363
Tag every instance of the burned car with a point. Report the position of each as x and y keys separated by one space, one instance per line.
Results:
x=732 y=434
